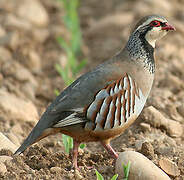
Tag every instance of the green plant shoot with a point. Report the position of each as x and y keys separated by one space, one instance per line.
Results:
x=126 y=169
x=100 y=177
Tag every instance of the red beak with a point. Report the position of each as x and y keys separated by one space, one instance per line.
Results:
x=168 y=27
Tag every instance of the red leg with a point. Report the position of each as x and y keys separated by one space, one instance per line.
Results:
x=75 y=153
x=110 y=150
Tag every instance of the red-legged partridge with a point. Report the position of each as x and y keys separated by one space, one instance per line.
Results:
x=104 y=102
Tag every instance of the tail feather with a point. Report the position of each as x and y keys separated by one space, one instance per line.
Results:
x=27 y=142
x=36 y=134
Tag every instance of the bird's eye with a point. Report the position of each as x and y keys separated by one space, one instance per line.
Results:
x=155 y=23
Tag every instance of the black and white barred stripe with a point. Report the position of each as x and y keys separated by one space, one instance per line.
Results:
x=113 y=105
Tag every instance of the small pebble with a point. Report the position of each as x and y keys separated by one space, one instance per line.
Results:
x=55 y=169
x=145 y=126
x=147 y=150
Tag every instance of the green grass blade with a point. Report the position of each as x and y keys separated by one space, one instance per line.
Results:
x=62 y=72
x=98 y=175
x=64 y=140
x=76 y=41
x=67 y=142
x=126 y=170
x=63 y=44
x=56 y=92
x=114 y=177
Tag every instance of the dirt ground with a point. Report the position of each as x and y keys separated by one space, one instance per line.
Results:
x=28 y=54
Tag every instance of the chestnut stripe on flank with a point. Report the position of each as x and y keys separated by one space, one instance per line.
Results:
x=113 y=86
x=108 y=88
x=99 y=106
x=122 y=83
x=112 y=111
x=119 y=108
x=124 y=106
x=103 y=121
x=93 y=117
x=118 y=82
x=136 y=90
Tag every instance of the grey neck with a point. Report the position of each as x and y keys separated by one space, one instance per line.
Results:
x=140 y=50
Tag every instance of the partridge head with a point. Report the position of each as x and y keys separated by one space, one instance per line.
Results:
x=101 y=104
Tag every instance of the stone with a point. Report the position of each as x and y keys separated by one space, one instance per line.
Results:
x=17 y=108
x=41 y=34
x=2 y=168
x=174 y=128
x=138 y=144
x=34 y=62
x=13 y=21
x=145 y=127
x=147 y=150
x=34 y=12
x=141 y=168
x=5 y=143
x=10 y=39
x=169 y=167
x=29 y=90
x=5 y=158
x=13 y=138
x=156 y=119
x=23 y=74
x=55 y=169
x=180 y=109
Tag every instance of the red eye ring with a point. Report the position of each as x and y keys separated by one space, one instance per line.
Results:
x=155 y=23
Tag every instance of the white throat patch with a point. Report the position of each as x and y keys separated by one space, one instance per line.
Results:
x=153 y=35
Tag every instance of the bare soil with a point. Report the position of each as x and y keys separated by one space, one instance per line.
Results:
x=105 y=26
